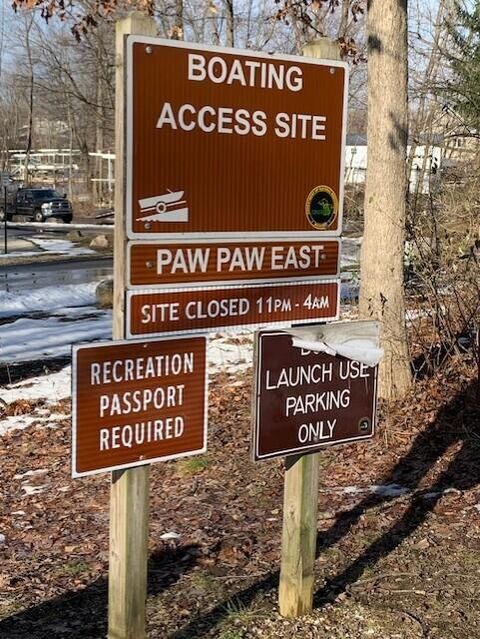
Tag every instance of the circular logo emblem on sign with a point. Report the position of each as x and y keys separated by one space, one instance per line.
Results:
x=321 y=207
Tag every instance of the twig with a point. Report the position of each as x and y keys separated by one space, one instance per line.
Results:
x=403 y=591
x=416 y=620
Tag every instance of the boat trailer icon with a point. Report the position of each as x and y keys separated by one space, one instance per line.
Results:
x=164 y=208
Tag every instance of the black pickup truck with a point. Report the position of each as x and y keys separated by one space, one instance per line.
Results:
x=35 y=203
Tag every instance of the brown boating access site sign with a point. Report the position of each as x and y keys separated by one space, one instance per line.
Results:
x=172 y=311
x=134 y=403
x=232 y=143
x=306 y=400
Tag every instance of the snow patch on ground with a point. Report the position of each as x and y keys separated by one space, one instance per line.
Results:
x=19 y=422
x=16 y=422
x=14 y=253
x=61 y=246
x=53 y=387
x=34 y=490
x=413 y=314
x=225 y=353
x=47 y=299
x=384 y=490
x=74 y=312
x=31 y=473
x=350 y=255
x=388 y=491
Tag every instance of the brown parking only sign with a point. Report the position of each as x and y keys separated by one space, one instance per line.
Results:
x=231 y=143
x=134 y=403
x=306 y=400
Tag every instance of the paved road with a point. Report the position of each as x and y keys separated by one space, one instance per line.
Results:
x=16 y=278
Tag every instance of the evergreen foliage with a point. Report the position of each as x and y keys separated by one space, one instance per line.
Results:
x=463 y=88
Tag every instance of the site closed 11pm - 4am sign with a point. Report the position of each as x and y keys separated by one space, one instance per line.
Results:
x=212 y=307
x=231 y=143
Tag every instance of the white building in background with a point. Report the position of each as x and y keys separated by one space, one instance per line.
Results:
x=49 y=164
x=44 y=164
x=426 y=164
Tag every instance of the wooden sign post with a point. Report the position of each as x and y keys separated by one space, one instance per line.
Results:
x=301 y=489
x=177 y=184
x=127 y=578
x=306 y=400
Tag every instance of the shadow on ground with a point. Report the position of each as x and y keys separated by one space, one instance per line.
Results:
x=457 y=421
x=82 y=614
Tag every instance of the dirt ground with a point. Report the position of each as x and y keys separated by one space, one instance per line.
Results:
x=398 y=529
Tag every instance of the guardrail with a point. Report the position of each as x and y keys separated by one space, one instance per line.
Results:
x=58 y=226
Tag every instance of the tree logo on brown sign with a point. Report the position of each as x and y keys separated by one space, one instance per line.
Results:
x=321 y=207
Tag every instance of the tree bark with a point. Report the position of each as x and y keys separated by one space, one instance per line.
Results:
x=31 y=78
x=230 y=24
x=381 y=291
x=343 y=26
x=178 y=26
x=99 y=145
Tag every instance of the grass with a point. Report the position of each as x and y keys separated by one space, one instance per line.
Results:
x=238 y=612
x=240 y=617
x=205 y=583
x=74 y=568
x=231 y=634
x=192 y=466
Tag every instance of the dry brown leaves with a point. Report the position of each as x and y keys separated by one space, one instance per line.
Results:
x=227 y=511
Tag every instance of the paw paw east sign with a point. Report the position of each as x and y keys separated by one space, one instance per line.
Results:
x=229 y=143
x=182 y=263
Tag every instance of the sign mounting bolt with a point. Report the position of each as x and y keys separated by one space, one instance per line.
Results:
x=149 y=264
x=148 y=49
x=364 y=425
x=148 y=226
x=332 y=70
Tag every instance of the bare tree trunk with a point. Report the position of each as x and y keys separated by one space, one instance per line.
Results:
x=343 y=26
x=249 y=25
x=230 y=24
x=381 y=292
x=28 y=148
x=97 y=184
x=178 y=26
x=70 y=156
